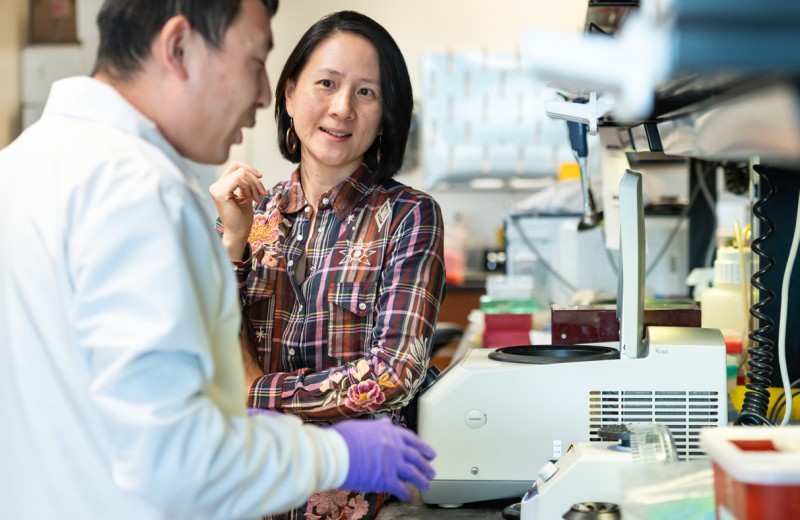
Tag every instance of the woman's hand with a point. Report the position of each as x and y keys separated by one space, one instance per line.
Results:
x=234 y=194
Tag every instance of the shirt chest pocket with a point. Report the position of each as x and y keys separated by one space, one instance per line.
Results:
x=351 y=307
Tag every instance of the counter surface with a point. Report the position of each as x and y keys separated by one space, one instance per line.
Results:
x=415 y=509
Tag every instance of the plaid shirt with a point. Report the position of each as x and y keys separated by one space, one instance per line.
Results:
x=354 y=338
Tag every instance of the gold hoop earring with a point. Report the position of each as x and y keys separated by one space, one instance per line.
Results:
x=291 y=138
x=378 y=153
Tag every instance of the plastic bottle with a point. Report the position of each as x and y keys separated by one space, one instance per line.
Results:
x=722 y=306
x=455 y=250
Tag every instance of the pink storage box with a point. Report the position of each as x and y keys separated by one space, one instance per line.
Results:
x=506 y=330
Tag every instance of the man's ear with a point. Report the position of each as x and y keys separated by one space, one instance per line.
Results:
x=172 y=44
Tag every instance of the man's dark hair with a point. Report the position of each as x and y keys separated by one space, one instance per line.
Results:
x=127 y=28
x=396 y=96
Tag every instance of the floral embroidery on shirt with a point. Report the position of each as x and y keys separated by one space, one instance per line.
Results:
x=334 y=505
x=264 y=236
x=328 y=504
x=357 y=253
x=357 y=507
x=360 y=370
x=365 y=396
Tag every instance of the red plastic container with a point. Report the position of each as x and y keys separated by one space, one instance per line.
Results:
x=756 y=471
x=507 y=330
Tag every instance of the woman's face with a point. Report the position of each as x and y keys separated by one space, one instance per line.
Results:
x=336 y=104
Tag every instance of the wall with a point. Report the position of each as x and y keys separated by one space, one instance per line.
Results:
x=13 y=34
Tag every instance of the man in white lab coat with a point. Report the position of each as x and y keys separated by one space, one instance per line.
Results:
x=120 y=369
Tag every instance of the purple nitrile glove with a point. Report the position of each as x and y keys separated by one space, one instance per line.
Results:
x=262 y=411
x=383 y=457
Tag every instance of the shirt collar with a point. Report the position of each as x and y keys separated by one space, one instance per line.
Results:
x=342 y=198
x=86 y=98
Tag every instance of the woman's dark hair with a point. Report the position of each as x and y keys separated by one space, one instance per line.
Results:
x=395 y=86
x=127 y=28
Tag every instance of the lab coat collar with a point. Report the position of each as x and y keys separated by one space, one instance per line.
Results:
x=86 y=98
x=83 y=97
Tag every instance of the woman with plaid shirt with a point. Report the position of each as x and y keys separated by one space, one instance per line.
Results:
x=340 y=268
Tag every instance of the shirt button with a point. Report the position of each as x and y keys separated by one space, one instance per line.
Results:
x=290 y=263
x=299 y=238
x=307 y=209
x=362 y=306
x=300 y=307
x=312 y=268
x=326 y=200
x=291 y=352
x=320 y=229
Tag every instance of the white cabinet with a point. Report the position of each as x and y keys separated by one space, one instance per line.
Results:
x=41 y=66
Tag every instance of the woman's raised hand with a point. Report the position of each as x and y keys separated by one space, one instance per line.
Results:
x=234 y=194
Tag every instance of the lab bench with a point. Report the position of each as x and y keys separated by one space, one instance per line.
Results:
x=416 y=509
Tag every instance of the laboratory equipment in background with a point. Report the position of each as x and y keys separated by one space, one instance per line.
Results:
x=756 y=472
x=670 y=54
x=599 y=323
x=455 y=250
x=593 y=470
x=713 y=81
x=582 y=115
x=726 y=304
x=494 y=260
x=592 y=511
x=582 y=259
x=563 y=260
x=774 y=226
x=497 y=415
x=580 y=147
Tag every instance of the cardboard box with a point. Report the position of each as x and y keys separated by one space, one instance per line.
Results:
x=53 y=21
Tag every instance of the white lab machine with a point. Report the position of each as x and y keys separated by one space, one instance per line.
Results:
x=497 y=415
x=554 y=253
x=593 y=471
x=589 y=472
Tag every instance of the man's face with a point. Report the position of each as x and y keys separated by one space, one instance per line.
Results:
x=229 y=86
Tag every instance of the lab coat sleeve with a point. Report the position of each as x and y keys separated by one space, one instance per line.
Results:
x=165 y=366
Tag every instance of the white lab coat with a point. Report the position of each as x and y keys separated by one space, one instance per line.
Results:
x=121 y=384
